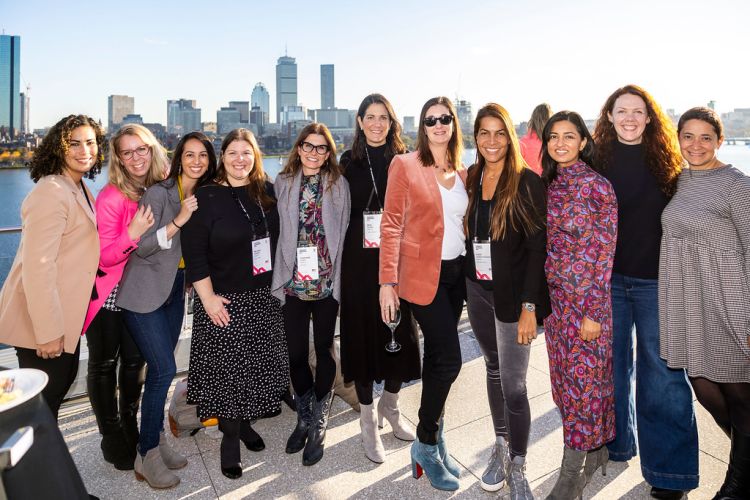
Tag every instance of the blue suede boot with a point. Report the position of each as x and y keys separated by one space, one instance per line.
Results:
x=448 y=461
x=425 y=458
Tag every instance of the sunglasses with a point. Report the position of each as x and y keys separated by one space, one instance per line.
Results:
x=431 y=121
x=307 y=147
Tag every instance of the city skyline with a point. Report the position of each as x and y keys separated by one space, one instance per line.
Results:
x=572 y=56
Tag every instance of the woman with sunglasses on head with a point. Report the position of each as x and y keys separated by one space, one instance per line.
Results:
x=581 y=235
x=238 y=356
x=704 y=284
x=505 y=286
x=137 y=161
x=422 y=251
x=363 y=335
x=44 y=298
x=637 y=151
x=152 y=296
x=313 y=203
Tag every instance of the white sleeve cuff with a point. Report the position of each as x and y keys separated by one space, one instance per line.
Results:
x=161 y=237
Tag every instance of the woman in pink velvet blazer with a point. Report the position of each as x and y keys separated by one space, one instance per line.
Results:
x=137 y=161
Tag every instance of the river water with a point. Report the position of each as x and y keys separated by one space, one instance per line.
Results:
x=15 y=184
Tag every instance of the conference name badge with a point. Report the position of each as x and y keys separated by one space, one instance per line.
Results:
x=371 y=224
x=482 y=260
x=261 y=256
x=307 y=263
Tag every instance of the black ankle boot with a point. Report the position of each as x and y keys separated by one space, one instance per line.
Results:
x=304 y=420
x=316 y=435
x=737 y=482
x=250 y=438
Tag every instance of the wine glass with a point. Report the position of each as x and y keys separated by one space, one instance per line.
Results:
x=393 y=346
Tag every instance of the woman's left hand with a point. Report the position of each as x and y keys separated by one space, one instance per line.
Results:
x=526 y=327
x=590 y=329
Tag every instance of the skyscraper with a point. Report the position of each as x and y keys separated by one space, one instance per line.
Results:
x=326 y=87
x=118 y=106
x=25 y=113
x=261 y=98
x=10 y=83
x=286 y=84
x=182 y=116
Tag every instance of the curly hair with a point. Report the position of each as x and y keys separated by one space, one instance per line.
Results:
x=659 y=139
x=49 y=158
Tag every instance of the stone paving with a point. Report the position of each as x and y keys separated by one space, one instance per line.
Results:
x=344 y=472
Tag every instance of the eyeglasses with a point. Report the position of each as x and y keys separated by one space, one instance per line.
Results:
x=140 y=151
x=431 y=121
x=321 y=149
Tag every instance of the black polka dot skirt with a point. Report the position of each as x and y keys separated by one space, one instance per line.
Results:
x=239 y=371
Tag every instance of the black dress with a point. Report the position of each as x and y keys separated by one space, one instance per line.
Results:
x=363 y=334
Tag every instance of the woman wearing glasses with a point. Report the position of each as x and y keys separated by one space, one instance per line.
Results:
x=238 y=357
x=152 y=295
x=363 y=335
x=137 y=162
x=422 y=251
x=313 y=203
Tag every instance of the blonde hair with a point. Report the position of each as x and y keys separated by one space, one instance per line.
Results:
x=118 y=174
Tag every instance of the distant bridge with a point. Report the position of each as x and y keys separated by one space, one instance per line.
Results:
x=735 y=140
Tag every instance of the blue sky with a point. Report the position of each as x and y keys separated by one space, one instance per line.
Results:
x=570 y=54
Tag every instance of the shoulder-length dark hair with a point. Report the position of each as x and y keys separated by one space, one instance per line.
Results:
x=659 y=139
x=49 y=157
x=703 y=114
x=176 y=169
x=393 y=143
x=331 y=169
x=257 y=186
x=509 y=204
x=456 y=143
x=549 y=166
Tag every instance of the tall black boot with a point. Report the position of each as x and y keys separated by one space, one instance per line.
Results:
x=737 y=482
x=100 y=383
x=304 y=420
x=316 y=435
x=131 y=376
x=230 y=448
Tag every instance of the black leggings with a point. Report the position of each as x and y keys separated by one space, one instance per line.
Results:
x=364 y=389
x=61 y=371
x=297 y=315
x=729 y=404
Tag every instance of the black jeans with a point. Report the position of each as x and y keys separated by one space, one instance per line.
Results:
x=61 y=371
x=109 y=341
x=438 y=321
x=297 y=315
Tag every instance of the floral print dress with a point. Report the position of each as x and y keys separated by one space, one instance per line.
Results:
x=581 y=237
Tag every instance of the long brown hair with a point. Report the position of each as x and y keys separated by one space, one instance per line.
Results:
x=393 y=143
x=509 y=203
x=256 y=189
x=659 y=139
x=456 y=143
x=331 y=169
x=118 y=174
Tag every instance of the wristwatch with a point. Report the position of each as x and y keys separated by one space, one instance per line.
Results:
x=529 y=306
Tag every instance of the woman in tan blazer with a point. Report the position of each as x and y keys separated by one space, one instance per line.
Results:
x=421 y=261
x=43 y=302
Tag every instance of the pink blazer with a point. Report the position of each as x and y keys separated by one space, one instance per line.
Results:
x=113 y=214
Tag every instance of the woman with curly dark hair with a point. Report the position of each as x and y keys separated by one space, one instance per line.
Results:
x=43 y=302
x=638 y=152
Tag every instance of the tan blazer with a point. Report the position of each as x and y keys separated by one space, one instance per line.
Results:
x=411 y=231
x=49 y=285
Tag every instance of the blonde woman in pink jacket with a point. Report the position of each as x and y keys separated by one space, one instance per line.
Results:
x=137 y=161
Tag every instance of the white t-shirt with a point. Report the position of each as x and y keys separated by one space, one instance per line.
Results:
x=455 y=201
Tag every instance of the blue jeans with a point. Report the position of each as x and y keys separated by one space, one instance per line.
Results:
x=661 y=410
x=156 y=334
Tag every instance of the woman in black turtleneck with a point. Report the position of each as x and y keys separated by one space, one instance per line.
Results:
x=364 y=359
x=636 y=149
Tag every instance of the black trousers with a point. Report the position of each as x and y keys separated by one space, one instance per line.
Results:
x=297 y=315
x=61 y=371
x=438 y=321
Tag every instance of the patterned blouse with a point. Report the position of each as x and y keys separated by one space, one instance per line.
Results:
x=312 y=232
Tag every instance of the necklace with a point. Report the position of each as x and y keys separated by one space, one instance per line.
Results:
x=445 y=170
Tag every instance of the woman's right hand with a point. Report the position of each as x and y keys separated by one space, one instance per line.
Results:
x=214 y=307
x=51 y=349
x=189 y=205
x=388 y=302
x=142 y=220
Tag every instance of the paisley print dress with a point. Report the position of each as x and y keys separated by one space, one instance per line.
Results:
x=581 y=237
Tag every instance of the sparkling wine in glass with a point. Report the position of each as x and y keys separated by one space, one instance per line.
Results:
x=393 y=346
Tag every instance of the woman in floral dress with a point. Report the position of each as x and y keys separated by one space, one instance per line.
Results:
x=581 y=235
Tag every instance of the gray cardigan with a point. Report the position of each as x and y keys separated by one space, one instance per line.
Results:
x=336 y=211
x=150 y=272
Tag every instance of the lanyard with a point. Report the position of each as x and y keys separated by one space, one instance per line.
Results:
x=247 y=216
x=374 y=186
x=476 y=210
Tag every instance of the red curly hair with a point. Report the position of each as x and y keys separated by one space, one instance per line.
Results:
x=659 y=138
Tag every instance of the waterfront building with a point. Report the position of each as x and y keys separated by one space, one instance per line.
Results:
x=243 y=107
x=227 y=119
x=409 y=127
x=286 y=85
x=25 y=129
x=334 y=118
x=259 y=118
x=183 y=116
x=294 y=113
x=327 y=98
x=118 y=106
x=260 y=98
x=10 y=84
x=131 y=118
